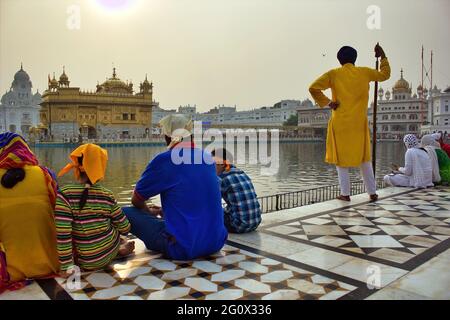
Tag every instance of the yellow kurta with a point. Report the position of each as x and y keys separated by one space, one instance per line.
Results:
x=27 y=228
x=348 y=138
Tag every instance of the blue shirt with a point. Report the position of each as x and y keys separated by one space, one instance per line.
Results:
x=191 y=201
x=243 y=212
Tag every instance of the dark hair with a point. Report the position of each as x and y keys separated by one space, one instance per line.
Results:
x=222 y=153
x=168 y=139
x=12 y=177
x=85 y=193
x=347 y=55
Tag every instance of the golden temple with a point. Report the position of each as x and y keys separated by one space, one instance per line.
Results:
x=112 y=111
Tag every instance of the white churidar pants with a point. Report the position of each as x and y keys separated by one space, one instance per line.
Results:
x=398 y=180
x=367 y=174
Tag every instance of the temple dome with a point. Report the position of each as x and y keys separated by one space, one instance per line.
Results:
x=6 y=97
x=63 y=77
x=115 y=85
x=401 y=83
x=307 y=103
x=21 y=77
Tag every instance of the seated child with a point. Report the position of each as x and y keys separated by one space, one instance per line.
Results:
x=88 y=219
x=242 y=212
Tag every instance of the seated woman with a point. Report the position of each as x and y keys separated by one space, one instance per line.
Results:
x=89 y=221
x=417 y=172
x=430 y=145
x=27 y=229
x=440 y=159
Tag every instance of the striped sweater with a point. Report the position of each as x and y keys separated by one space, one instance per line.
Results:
x=89 y=238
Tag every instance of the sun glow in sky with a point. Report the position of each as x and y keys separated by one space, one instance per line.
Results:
x=249 y=53
x=115 y=6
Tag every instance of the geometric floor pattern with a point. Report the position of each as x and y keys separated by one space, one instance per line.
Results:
x=393 y=231
x=229 y=275
x=399 y=233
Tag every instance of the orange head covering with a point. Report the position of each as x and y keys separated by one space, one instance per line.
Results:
x=94 y=162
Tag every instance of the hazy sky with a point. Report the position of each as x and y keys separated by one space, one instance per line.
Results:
x=207 y=52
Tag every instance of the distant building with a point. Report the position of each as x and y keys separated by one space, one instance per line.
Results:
x=19 y=108
x=113 y=111
x=226 y=115
x=313 y=120
x=400 y=113
x=159 y=113
x=187 y=110
x=264 y=116
x=438 y=112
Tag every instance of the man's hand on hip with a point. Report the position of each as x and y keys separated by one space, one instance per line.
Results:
x=334 y=105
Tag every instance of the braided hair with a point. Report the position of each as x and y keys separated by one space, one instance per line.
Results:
x=85 y=194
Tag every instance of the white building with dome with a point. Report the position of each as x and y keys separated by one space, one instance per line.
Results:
x=438 y=112
x=19 y=108
x=400 y=112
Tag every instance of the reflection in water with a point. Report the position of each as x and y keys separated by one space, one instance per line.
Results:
x=301 y=166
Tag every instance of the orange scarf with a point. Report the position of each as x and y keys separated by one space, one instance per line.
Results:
x=94 y=162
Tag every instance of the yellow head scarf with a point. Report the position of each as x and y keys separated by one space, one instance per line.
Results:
x=94 y=162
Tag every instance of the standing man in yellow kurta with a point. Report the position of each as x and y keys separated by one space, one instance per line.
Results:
x=348 y=138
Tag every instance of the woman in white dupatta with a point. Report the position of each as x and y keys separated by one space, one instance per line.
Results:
x=430 y=144
x=417 y=172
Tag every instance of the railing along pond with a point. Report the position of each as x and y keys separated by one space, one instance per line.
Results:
x=305 y=197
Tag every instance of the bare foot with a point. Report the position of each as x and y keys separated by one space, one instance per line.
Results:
x=126 y=249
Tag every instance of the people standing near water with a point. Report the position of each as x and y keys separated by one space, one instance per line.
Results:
x=348 y=138
x=89 y=222
x=242 y=212
x=418 y=170
x=27 y=229
x=190 y=223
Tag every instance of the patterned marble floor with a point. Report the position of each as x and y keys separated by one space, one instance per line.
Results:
x=231 y=274
x=396 y=231
x=321 y=251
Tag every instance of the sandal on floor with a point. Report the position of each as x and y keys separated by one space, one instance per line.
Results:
x=373 y=197
x=343 y=198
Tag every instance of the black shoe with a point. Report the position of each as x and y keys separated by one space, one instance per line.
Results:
x=343 y=198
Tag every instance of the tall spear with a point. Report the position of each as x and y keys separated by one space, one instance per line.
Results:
x=374 y=120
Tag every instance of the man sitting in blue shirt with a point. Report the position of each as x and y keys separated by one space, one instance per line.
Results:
x=192 y=225
x=242 y=212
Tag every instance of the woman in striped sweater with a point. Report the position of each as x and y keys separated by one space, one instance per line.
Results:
x=89 y=222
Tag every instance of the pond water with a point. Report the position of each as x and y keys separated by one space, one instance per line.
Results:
x=301 y=166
